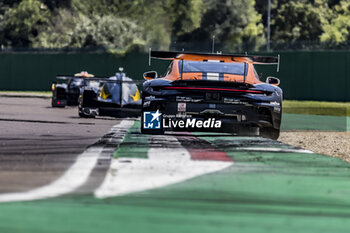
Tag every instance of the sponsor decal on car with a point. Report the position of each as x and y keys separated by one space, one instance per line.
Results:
x=275 y=103
x=277 y=109
x=188 y=99
x=181 y=107
x=234 y=101
x=146 y=104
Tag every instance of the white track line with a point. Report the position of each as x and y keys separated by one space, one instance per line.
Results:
x=74 y=177
x=164 y=166
x=267 y=149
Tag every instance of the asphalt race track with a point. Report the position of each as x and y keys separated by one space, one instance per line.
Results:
x=38 y=143
x=60 y=173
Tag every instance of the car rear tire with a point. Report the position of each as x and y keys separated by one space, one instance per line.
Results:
x=83 y=115
x=270 y=132
x=81 y=110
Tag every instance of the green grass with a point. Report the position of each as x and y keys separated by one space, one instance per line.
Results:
x=317 y=108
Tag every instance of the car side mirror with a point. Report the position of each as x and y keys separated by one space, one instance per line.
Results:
x=150 y=75
x=273 y=81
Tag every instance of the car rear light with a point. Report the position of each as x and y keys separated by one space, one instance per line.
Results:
x=213 y=89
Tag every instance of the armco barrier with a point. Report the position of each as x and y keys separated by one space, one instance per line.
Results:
x=318 y=75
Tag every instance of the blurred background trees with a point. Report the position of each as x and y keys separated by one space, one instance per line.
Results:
x=238 y=25
x=232 y=22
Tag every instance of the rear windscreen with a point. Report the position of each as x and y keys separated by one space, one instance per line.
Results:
x=211 y=67
x=75 y=82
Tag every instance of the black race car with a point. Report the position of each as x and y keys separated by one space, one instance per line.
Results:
x=212 y=92
x=117 y=96
x=66 y=90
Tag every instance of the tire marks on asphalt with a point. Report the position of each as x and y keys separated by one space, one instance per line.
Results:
x=78 y=174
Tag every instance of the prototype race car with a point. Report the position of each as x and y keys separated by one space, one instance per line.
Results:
x=211 y=92
x=66 y=90
x=117 y=96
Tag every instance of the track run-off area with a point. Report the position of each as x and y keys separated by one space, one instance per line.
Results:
x=125 y=181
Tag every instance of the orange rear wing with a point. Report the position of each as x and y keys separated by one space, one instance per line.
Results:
x=192 y=56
